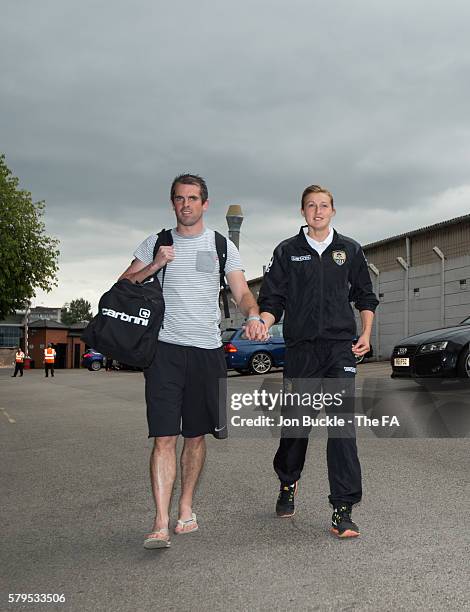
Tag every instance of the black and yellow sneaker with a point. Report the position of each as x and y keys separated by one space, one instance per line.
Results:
x=342 y=525
x=285 y=502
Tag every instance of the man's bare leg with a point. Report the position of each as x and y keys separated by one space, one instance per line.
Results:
x=192 y=461
x=162 y=476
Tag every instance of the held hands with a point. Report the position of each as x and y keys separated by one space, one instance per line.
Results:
x=164 y=255
x=362 y=346
x=255 y=330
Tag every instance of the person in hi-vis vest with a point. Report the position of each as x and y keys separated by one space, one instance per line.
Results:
x=19 y=362
x=49 y=359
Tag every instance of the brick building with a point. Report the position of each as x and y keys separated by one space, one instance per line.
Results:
x=65 y=338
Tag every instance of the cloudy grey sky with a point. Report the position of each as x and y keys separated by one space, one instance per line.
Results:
x=103 y=103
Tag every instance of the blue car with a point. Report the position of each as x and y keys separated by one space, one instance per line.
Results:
x=92 y=360
x=251 y=355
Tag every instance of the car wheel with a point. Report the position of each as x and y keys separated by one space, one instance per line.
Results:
x=463 y=366
x=261 y=363
x=95 y=366
x=359 y=359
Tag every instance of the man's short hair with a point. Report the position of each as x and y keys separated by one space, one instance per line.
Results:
x=316 y=189
x=190 y=179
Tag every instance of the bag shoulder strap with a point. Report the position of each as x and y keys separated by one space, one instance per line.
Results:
x=221 y=248
x=164 y=238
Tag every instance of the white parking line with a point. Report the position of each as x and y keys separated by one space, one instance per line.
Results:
x=7 y=416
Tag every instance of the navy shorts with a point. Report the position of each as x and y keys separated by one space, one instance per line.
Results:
x=185 y=391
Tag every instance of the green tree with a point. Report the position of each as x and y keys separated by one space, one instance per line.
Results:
x=77 y=310
x=29 y=258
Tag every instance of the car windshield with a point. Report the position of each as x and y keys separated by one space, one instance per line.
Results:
x=466 y=321
x=227 y=335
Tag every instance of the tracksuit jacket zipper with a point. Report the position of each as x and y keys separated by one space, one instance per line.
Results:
x=320 y=318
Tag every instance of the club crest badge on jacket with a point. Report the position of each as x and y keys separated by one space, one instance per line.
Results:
x=339 y=257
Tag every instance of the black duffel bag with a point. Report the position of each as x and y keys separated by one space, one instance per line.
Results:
x=129 y=318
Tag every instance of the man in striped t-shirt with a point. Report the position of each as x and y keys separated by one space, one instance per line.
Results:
x=183 y=383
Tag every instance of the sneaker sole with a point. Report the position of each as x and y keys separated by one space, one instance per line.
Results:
x=285 y=515
x=348 y=533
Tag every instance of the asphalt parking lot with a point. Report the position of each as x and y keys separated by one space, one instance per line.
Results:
x=76 y=503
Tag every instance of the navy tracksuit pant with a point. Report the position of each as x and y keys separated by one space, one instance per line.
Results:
x=326 y=366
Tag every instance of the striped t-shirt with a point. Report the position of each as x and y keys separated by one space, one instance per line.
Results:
x=191 y=288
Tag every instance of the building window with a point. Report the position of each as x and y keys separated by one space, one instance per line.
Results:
x=463 y=283
x=416 y=292
x=9 y=336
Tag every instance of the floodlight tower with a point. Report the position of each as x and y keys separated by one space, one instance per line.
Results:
x=234 y=221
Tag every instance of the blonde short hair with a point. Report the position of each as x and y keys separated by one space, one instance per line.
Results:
x=316 y=189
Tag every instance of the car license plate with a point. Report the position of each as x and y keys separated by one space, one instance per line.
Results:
x=401 y=361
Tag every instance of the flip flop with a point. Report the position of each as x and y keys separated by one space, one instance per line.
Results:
x=186 y=526
x=158 y=539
